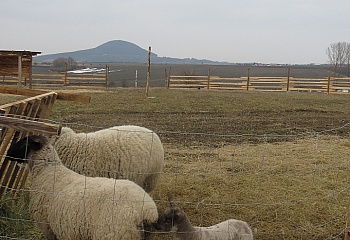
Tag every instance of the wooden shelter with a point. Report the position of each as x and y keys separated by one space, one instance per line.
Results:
x=23 y=117
x=17 y=64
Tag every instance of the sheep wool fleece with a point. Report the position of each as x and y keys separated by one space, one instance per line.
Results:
x=231 y=229
x=70 y=206
x=121 y=152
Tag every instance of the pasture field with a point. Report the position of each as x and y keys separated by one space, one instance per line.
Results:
x=279 y=161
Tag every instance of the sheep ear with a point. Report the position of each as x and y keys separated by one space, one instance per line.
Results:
x=171 y=202
x=19 y=151
x=36 y=142
x=178 y=214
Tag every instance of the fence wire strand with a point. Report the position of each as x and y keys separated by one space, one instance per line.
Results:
x=231 y=178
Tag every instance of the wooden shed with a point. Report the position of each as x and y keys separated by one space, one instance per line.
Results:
x=17 y=64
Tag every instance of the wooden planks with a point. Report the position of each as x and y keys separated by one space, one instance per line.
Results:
x=60 y=95
x=327 y=85
x=20 y=124
x=17 y=120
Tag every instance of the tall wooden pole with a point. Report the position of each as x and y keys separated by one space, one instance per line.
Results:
x=148 y=71
x=30 y=72
x=208 y=84
x=65 y=74
x=248 y=79
x=136 y=79
x=107 y=75
x=19 y=71
x=288 y=79
x=329 y=80
x=169 y=75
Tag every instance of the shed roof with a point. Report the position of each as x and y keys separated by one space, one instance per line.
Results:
x=9 y=61
x=18 y=53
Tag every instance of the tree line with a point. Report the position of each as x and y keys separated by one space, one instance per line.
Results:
x=339 y=56
x=62 y=64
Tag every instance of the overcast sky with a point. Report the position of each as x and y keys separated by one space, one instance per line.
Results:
x=267 y=31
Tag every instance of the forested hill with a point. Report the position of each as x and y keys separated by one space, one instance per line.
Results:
x=118 y=51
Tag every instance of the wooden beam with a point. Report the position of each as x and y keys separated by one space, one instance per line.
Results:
x=32 y=93
x=19 y=71
x=30 y=73
x=21 y=124
x=73 y=97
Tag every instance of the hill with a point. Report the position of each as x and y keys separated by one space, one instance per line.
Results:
x=119 y=51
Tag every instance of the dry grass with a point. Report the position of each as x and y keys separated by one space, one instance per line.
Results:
x=240 y=155
x=286 y=190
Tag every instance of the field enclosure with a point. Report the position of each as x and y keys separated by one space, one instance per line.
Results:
x=129 y=74
x=60 y=80
x=326 y=85
x=276 y=160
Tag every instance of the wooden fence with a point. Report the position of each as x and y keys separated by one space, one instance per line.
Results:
x=14 y=120
x=17 y=119
x=58 y=80
x=327 y=84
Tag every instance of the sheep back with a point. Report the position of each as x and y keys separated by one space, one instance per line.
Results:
x=78 y=207
x=121 y=152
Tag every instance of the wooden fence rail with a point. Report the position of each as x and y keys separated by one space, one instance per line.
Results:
x=57 y=80
x=327 y=84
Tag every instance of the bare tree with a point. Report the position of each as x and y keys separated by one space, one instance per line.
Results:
x=337 y=55
x=59 y=64
x=348 y=58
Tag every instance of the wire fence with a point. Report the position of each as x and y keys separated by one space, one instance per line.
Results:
x=283 y=186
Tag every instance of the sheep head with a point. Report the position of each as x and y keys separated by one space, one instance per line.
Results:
x=171 y=217
x=21 y=150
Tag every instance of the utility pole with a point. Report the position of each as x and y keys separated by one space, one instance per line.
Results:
x=148 y=71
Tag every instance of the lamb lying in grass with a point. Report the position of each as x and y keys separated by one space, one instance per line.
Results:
x=70 y=206
x=175 y=220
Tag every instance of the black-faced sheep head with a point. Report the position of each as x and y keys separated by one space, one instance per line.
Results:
x=170 y=218
x=20 y=151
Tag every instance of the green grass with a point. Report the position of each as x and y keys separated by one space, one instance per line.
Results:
x=15 y=221
x=260 y=157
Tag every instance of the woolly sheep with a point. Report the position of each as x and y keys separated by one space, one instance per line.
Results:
x=121 y=152
x=175 y=220
x=67 y=205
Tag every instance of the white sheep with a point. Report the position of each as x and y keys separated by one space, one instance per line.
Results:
x=67 y=205
x=176 y=221
x=121 y=152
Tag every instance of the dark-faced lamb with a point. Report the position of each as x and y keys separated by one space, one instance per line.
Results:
x=67 y=205
x=176 y=221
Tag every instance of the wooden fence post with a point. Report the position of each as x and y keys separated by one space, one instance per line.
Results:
x=169 y=77
x=30 y=74
x=107 y=75
x=148 y=70
x=165 y=77
x=65 y=74
x=329 y=80
x=20 y=71
x=208 y=78
x=288 y=79
x=136 y=79
x=248 y=79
